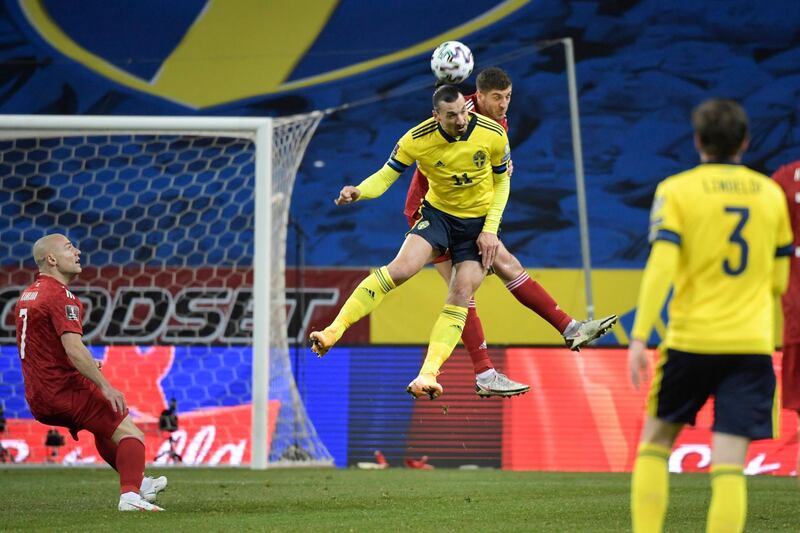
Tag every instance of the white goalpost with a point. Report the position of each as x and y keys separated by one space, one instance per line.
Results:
x=215 y=192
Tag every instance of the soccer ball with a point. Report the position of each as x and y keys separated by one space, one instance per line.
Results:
x=452 y=62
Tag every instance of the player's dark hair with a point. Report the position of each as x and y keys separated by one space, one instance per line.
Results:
x=492 y=79
x=445 y=93
x=721 y=126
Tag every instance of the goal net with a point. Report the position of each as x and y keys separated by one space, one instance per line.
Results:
x=182 y=227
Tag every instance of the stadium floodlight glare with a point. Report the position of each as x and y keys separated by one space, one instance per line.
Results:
x=172 y=204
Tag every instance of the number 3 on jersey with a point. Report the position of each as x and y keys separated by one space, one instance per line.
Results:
x=23 y=314
x=738 y=239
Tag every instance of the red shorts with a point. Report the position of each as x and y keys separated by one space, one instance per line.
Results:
x=790 y=374
x=442 y=258
x=90 y=411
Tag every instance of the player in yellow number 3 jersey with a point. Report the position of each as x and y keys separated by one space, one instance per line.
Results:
x=465 y=157
x=721 y=235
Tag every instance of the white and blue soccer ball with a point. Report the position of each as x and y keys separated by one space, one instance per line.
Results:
x=452 y=62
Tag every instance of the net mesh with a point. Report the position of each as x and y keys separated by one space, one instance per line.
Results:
x=165 y=224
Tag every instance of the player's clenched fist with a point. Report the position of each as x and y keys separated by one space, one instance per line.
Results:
x=347 y=195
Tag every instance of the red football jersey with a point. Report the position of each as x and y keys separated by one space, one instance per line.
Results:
x=788 y=176
x=45 y=311
x=418 y=187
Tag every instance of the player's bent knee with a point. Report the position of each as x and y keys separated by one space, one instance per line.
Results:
x=401 y=271
x=507 y=266
x=460 y=295
x=125 y=429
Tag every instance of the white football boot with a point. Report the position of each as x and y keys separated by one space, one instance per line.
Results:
x=151 y=486
x=589 y=330
x=131 y=501
x=500 y=385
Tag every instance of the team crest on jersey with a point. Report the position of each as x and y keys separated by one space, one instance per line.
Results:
x=72 y=312
x=479 y=158
x=422 y=224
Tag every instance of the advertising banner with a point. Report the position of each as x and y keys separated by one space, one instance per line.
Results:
x=582 y=414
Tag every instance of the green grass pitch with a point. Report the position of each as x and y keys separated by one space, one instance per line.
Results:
x=84 y=499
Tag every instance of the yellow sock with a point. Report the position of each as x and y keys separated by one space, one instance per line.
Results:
x=728 y=509
x=365 y=298
x=444 y=337
x=649 y=488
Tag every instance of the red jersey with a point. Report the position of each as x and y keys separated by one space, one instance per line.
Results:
x=788 y=177
x=418 y=187
x=45 y=311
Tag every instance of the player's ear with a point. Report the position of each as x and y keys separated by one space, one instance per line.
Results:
x=698 y=145
x=745 y=146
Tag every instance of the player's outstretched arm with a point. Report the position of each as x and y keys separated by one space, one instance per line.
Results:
x=372 y=187
x=84 y=363
x=375 y=185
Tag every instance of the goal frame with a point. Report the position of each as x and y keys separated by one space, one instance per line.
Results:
x=257 y=130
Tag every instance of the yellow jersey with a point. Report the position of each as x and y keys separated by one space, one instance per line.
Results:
x=459 y=170
x=730 y=223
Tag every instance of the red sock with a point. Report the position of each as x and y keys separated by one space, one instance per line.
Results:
x=107 y=450
x=474 y=340
x=130 y=460
x=534 y=297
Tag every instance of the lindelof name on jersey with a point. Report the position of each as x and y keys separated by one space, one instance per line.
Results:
x=28 y=296
x=715 y=185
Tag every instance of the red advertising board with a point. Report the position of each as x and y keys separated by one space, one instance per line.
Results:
x=582 y=414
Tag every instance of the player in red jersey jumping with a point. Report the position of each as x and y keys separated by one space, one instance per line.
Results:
x=492 y=100
x=63 y=383
x=788 y=177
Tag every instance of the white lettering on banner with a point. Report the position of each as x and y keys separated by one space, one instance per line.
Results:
x=236 y=451
x=196 y=451
x=754 y=467
x=685 y=450
x=75 y=457
x=194 y=315
x=757 y=466
x=19 y=447
x=201 y=443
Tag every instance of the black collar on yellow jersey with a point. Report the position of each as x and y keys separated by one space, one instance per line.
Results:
x=473 y=120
